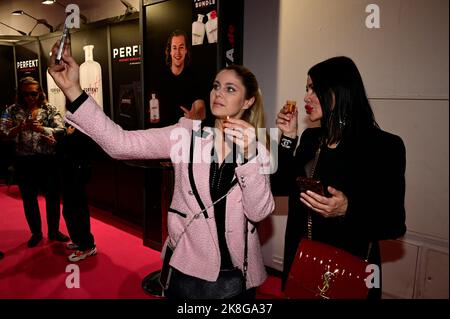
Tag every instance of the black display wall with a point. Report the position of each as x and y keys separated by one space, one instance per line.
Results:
x=231 y=33
x=98 y=38
x=126 y=74
x=7 y=98
x=7 y=82
x=160 y=18
x=28 y=60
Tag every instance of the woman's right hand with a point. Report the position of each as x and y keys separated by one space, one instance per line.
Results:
x=67 y=73
x=287 y=122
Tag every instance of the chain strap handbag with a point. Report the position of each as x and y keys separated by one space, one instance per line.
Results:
x=177 y=285
x=322 y=271
x=229 y=283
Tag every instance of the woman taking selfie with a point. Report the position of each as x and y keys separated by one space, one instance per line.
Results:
x=217 y=195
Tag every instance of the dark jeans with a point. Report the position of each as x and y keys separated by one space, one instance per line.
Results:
x=182 y=286
x=39 y=173
x=75 y=204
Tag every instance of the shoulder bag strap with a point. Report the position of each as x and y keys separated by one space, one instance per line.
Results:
x=311 y=175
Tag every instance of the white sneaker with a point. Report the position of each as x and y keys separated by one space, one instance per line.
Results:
x=71 y=246
x=80 y=255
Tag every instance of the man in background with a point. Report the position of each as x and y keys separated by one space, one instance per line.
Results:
x=179 y=92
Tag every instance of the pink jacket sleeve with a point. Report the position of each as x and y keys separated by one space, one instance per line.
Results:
x=117 y=142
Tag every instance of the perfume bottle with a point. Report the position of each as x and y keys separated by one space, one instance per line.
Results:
x=198 y=30
x=154 y=109
x=211 y=27
x=91 y=75
x=55 y=96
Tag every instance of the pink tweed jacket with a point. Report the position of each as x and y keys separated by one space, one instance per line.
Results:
x=197 y=252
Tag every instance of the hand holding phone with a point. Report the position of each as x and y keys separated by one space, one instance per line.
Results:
x=304 y=184
x=62 y=42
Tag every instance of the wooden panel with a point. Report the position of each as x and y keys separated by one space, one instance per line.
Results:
x=435 y=281
x=398 y=268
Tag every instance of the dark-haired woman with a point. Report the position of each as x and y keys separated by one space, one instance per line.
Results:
x=361 y=167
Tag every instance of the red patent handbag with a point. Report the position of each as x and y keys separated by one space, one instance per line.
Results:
x=324 y=271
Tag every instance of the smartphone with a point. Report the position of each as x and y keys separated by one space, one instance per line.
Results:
x=304 y=184
x=62 y=43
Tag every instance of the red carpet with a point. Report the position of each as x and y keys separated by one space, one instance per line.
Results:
x=115 y=272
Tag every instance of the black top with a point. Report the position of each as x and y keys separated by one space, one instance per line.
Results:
x=174 y=91
x=220 y=181
x=369 y=170
x=75 y=149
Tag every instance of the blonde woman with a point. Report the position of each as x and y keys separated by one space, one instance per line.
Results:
x=219 y=190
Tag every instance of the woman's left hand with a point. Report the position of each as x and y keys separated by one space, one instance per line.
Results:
x=243 y=134
x=333 y=206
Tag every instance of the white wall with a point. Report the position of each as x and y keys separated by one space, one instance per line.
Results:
x=404 y=64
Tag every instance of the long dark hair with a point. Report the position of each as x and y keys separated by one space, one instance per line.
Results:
x=175 y=33
x=345 y=106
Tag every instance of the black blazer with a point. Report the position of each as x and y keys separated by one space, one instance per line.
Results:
x=369 y=170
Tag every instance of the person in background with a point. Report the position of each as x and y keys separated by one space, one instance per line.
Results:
x=178 y=90
x=217 y=197
x=361 y=167
x=35 y=126
x=74 y=152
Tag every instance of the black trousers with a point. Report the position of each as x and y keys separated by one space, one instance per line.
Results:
x=75 y=204
x=37 y=173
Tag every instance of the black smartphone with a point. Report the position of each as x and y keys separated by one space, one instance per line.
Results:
x=62 y=43
x=304 y=184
